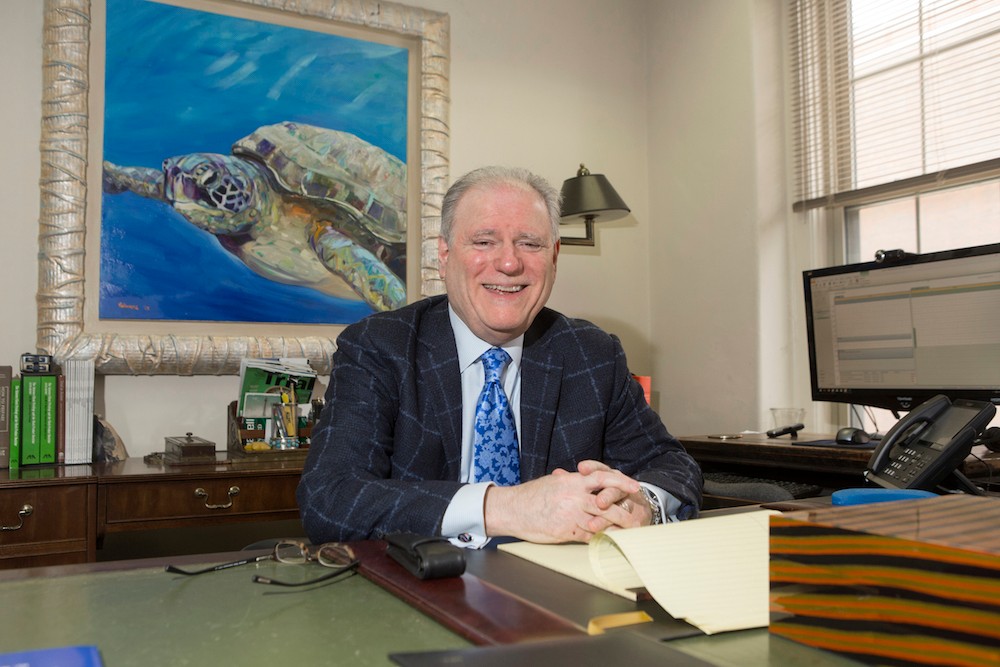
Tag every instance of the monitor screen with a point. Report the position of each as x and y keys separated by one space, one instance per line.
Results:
x=892 y=334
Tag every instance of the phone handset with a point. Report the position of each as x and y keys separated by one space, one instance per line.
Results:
x=928 y=445
x=907 y=428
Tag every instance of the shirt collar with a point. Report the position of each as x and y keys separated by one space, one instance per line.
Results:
x=471 y=347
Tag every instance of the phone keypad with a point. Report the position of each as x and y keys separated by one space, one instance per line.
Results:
x=909 y=463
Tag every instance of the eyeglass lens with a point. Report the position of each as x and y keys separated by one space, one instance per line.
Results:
x=327 y=555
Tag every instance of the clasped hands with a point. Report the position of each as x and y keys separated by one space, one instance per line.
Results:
x=567 y=506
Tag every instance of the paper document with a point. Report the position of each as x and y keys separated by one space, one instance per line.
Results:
x=711 y=572
x=573 y=560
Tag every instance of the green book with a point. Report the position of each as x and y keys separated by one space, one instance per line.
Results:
x=48 y=419
x=15 y=423
x=31 y=403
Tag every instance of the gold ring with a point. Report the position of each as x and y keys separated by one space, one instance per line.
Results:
x=626 y=505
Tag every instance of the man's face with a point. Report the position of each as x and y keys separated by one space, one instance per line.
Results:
x=501 y=263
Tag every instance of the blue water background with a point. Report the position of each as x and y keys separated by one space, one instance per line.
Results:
x=181 y=81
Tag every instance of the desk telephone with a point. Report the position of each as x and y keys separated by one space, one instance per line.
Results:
x=927 y=445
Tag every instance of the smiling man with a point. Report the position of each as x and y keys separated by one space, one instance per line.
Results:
x=483 y=413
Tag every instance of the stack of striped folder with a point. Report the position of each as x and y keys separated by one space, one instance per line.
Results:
x=914 y=582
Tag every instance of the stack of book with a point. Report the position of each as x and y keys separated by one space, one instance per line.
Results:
x=79 y=414
x=46 y=412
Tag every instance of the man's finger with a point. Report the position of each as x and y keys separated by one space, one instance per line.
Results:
x=589 y=466
x=612 y=485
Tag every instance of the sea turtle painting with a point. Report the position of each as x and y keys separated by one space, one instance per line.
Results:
x=297 y=204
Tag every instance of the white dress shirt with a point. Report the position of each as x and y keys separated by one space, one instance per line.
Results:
x=464 y=520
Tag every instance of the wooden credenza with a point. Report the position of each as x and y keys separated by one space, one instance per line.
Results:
x=55 y=515
x=48 y=516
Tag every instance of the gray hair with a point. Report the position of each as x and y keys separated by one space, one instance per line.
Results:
x=487 y=176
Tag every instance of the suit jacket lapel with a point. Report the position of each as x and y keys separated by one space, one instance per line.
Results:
x=439 y=377
x=541 y=383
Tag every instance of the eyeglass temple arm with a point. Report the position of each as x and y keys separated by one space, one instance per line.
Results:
x=336 y=572
x=216 y=568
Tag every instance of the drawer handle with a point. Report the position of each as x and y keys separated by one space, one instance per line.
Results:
x=233 y=492
x=25 y=511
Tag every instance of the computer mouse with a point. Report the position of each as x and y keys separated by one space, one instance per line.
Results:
x=852 y=436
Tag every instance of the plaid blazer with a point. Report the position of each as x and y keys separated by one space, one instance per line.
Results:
x=386 y=452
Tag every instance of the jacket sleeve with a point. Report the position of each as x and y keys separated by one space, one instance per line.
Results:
x=638 y=443
x=373 y=460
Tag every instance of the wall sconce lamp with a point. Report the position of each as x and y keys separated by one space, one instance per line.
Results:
x=589 y=196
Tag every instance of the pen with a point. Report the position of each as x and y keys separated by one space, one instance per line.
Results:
x=289 y=413
x=279 y=422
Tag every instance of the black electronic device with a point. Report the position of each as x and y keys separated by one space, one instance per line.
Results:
x=926 y=446
x=990 y=439
x=426 y=557
x=40 y=364
x=792 y=430
x=893 y=334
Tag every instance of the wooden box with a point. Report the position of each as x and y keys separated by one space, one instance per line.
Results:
x=906 y=582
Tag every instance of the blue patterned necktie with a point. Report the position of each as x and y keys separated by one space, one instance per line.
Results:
x=495 y=452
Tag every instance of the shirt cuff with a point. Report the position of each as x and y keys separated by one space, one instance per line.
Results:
x=464 y=522
x=669 y=504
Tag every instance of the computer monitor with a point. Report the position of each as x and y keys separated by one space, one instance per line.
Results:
x=893 y=333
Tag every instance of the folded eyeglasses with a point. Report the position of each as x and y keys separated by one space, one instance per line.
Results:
x=339 y=557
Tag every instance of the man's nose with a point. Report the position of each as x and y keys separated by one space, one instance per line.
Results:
x=508 y=260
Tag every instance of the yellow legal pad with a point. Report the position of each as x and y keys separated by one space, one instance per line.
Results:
x=914 y=582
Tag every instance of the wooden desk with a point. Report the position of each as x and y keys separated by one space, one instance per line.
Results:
x=833 y=468
x=137 y=614
x=779 y=454
x=758 y=456
x=73 y=508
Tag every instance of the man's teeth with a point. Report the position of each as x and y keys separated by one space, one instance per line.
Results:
x=505 y=288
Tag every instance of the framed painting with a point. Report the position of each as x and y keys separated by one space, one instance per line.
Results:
x=236 y=180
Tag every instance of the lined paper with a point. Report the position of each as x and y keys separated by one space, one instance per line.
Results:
x=711 y=572
x=573 y=560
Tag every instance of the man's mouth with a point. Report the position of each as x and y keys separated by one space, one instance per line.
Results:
x=506 y=289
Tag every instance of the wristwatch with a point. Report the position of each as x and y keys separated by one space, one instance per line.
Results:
x=654 y=506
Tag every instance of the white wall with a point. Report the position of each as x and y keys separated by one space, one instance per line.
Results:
x=548 y=85
x=673 y=100
x=722 y=322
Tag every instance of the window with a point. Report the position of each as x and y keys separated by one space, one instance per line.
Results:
x=942 y=220
x=896 y=121
x=953 y=218
x=893 y=98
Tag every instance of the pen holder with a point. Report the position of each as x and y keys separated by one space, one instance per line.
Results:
x=247 y=438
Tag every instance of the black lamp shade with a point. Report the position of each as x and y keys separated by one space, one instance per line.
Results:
x=591 y=196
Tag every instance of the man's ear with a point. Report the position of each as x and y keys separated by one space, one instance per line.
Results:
x=442 y=255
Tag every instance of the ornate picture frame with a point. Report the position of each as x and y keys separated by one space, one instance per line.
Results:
x=63 y=329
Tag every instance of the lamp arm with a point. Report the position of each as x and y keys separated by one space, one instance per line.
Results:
x=587 y=240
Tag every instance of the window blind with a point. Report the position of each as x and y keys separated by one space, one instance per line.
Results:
x=892 y=97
